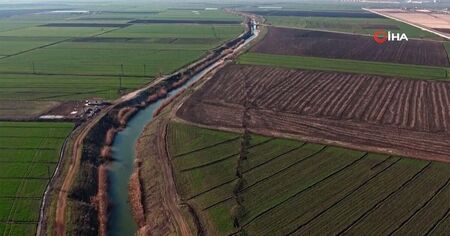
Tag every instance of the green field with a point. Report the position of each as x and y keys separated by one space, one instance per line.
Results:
x=44 y=64
x=162 y=48
x=349 y=25
x=161 y=14
x=29 y=87
x=342 y=65
x=294 y=187
x=29 y=153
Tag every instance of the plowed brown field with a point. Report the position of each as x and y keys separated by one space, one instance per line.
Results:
x=344 y=46
x=391 y=115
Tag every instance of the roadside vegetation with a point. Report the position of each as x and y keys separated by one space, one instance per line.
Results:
x=346 y=190
x=29 y=153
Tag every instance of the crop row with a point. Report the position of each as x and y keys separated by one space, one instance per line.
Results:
x=28 y=156
x=294 y=188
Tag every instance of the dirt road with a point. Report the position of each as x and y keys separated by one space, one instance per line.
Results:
x=172 y=199
x=73 y=169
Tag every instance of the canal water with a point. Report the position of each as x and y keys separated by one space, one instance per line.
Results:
x=120 y=220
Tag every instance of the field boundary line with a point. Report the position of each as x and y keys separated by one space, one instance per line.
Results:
x=275 y=157
x=262 y=143
x=346 y=195
x=249 y=170
x=55 y=43
x=381 y=163
x=365 y=214
x=211 y=189
x=71 y=94
x=439 y=222
x=287 y=167
x=207 y=147
x=217 y=203
x=303 y=190
x=210 y=163
x=426 y=203
x=222 y=159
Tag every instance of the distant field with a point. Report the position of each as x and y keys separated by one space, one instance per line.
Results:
x=60 y=88
x=297 y=42
x=29 y=153
x=169 y=14
x=28 y=95
x=318 y=13
x=24 y=109
x=64 y=57
x=174 y=47
x=349 y=25
x=294 y=187
x=363 y=67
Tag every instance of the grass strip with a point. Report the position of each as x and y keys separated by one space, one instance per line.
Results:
x=343 y=65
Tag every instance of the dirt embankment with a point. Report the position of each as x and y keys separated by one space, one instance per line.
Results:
x=165 y=212
x=135 y=196
x=92 y=150
x=161 y=203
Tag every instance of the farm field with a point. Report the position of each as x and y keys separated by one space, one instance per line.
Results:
x=349 y=25
x=433 y=20
x=343 y=65
x=29 y=153
x=171 y=14
x=324 y=184
x=388 y=114
x=141 y=50
x=29 y=95
x=296 y=42
x=318 y=13
x=49 y=58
